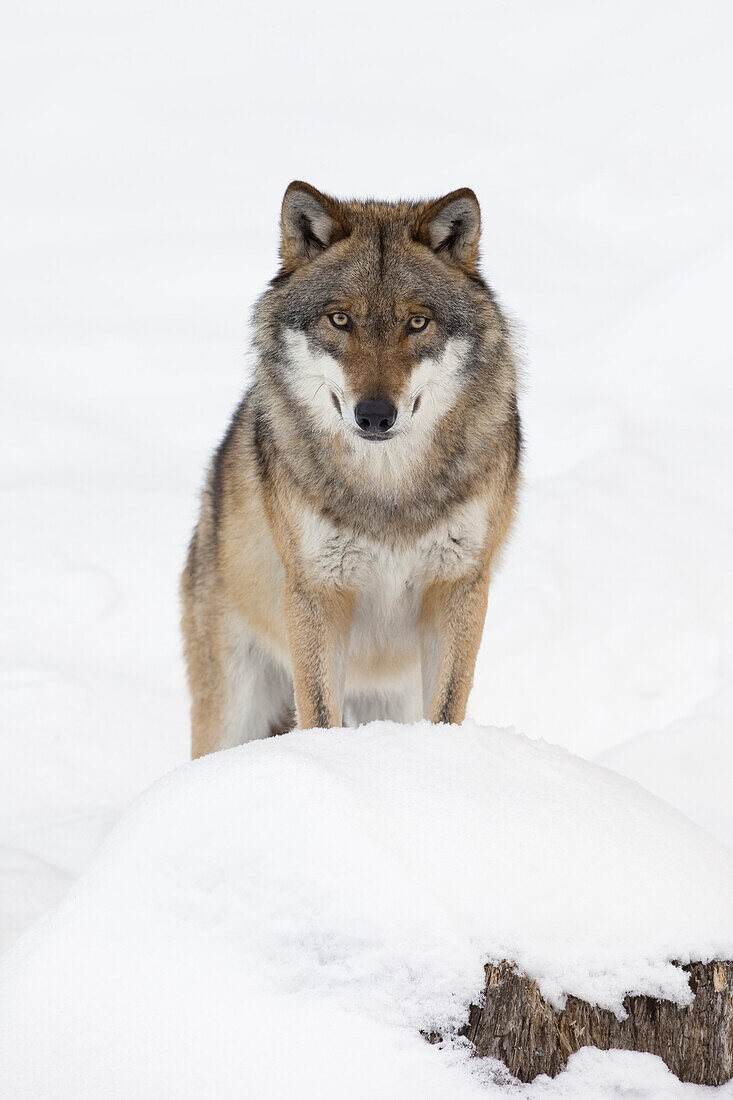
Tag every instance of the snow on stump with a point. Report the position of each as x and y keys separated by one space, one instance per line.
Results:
x=292 y=917
x=516 y=1025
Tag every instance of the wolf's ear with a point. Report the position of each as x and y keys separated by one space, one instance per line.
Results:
x=309 y=223
x=451 y=226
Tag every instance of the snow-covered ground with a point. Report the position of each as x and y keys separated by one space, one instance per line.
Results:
x=147 y=148
x=285 y=919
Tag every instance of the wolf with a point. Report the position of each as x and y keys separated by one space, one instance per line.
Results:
x=352 y=514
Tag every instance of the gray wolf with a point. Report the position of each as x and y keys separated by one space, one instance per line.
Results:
x=353 y=511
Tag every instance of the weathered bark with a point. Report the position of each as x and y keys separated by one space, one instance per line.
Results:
x=516 y=1025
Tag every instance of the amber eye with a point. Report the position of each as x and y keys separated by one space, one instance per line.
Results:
x=417 y=323
x=340 y=320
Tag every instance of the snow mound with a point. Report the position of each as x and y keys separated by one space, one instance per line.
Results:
x=333 y=893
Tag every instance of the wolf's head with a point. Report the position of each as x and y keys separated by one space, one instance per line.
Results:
x=378 y=327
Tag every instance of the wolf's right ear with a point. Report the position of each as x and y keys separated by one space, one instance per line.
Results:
x=309 y=223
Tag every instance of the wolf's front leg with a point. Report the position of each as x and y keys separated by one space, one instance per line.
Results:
x=451 y=628
x=317 y=620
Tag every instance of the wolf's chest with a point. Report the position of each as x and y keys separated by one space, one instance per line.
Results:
x=387 y=579
x=394 y=567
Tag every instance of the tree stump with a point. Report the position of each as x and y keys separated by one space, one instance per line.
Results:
x=516 y=1025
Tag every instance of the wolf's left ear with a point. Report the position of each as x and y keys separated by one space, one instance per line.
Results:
x=451 y=226
x=309 y=221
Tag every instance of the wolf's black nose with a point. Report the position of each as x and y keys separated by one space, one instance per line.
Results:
x=375 y=416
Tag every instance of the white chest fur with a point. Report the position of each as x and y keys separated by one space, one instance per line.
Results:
x=388 y=578
x=447 y=550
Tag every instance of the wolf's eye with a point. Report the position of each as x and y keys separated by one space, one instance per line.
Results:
x=416 y=323
x=340 y=320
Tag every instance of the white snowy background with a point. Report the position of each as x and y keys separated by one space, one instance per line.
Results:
x=146 y=147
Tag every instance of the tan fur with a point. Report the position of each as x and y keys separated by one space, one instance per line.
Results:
x=325 y=568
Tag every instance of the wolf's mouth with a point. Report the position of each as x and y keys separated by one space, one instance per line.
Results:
x=377 y=437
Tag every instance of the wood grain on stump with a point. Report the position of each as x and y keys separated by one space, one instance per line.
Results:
x=516 y=1025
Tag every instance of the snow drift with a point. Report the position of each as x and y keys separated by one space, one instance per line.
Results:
x=333 y=893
